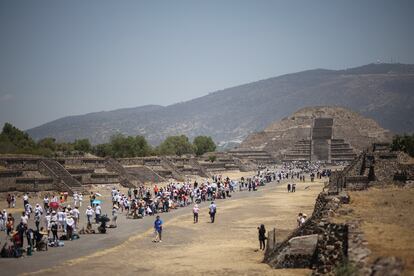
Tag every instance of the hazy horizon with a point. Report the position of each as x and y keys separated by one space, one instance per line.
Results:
x=75 y=57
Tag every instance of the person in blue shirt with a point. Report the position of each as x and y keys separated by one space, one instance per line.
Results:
x=158 y=229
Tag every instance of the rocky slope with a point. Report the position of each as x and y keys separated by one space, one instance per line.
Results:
x=383 y=92
x=356 y=129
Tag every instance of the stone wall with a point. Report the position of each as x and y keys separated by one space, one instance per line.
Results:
x=332 y=242
x=338 y=242
x=82 y=162
x=20 y=163
x=27 y=184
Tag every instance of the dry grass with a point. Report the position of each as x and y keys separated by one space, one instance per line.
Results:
x=387 y=222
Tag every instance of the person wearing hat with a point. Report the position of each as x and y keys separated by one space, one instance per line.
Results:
x=212 y=211
x=70 y=222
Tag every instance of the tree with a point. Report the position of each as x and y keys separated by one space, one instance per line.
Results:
x=103 y=150
x=403 y=143
x=13 y=140
x=212 y=158
x=121 y=146
x=66 y=148
x=48 y=143
x=82 y=145
x=175 y=145
x=203 y=144
x=18 y=138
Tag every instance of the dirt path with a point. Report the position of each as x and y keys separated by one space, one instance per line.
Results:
x=227 y=247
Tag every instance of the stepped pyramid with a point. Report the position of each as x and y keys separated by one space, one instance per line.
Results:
x=327 y=133
x=321 y=146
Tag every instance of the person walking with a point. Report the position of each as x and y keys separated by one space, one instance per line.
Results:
x=9 y=200
x=262 y=236
x=158 y=229
x=80 y=199
x=46 y=202
x=212 y=211
x=38 y=216
x=89 y=214
x=25 y=199
x=98 y=210
x=114 y=214
x=195 y=213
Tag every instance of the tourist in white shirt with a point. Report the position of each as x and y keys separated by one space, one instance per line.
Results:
x=61 y=219
x=70 y=222
x=48 y=219
x=76 y=215
x=46 y=202
x=38 y=215
x=89 y=214
x=24 y=218
x=196 y=210
x=28 y=209
x=75 y=199
x=80 y=200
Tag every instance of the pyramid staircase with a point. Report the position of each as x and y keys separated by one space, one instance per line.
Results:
x=301 y=151
x=126 y=179
x=341 y=151
x=63 y=179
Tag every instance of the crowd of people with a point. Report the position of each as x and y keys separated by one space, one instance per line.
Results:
x=56 y=219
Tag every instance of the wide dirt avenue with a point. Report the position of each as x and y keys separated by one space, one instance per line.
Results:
x=227 y=247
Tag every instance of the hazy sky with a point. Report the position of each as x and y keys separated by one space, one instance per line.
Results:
x=60 y=58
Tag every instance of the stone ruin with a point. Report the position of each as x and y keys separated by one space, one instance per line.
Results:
x=375 y=166
x=323 y=245
x=321 y=146
x=35 y=173
x=328 y=133
x=253 y=156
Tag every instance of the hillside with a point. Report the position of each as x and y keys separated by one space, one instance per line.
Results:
x=354 y=128
x=383 y=92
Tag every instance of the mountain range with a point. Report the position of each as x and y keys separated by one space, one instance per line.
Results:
x=383 y=92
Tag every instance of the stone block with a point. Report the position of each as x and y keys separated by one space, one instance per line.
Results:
x=304 y=246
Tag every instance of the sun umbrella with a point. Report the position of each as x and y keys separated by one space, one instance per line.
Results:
x=96 y=201
x=54 y=205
